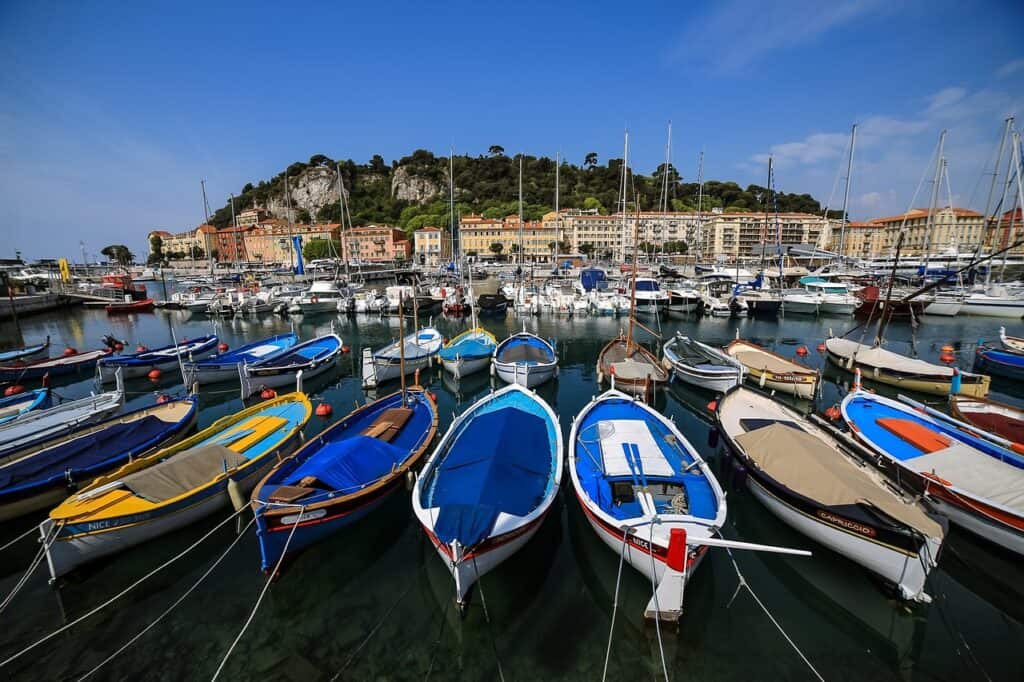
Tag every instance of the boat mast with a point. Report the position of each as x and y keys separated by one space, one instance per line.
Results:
x=767 y=198
x=622 y=195
x=664 y=186
x=846 y=192
x=632 y=294
x=341 y=219
x=1008 y=124
x=401 y=344
x=206 y=214
x=451 y=210
x=288 y=205
x=1017 y=196
x=930 y=222
x=520 y=220
x=559 y=237
x=700 y=202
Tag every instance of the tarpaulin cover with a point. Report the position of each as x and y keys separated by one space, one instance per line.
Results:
x=350 y=464
x=470 y=348
x=81 y=453
x=592 y=278
x=501 y=462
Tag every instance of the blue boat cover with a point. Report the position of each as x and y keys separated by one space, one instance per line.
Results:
x=347 y=465
x=592 y=278
x=470 y=348
x=111 y=443
x=501 y=462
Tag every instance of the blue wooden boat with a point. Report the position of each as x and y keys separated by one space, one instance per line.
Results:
x=342 y=474
x=525 y=359
x=313 y=357
x=999 y=362
x=632 y=467
x=468 y=353
x=14 y=406
x=489 y=484
x=174 y=486
x=141 y=364
x=224 y=366
x=24 y=353
x=54 y=367
x=40 y=477
x=973 y=481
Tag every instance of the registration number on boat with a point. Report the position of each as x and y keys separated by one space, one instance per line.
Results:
x=305 y=516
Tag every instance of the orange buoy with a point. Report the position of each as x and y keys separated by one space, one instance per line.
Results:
x=324 y=410
x=712 y=406
x=154 y=374
x=163 y=398
x=140 y=348
x=433 y=397
x=821 y=348
x=833 y=413
x=801 y=351
x=948 y=349
x=14 y=390
x=69 y=351
x=346 y=349
x=117 y=346
x=222 y=347
x=268 y=393
x=947 y=357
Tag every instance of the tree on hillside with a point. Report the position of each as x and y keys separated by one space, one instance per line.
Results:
x=321 y=248
x=590 y=160
x=119 y=253
x=156 y=250
x=496 y=150
x=590 y=203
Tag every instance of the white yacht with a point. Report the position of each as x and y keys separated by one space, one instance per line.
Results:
x=322 y=297
x=650 y=298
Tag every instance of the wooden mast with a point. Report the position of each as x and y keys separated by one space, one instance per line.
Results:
x=632 y=293
x=401 y=344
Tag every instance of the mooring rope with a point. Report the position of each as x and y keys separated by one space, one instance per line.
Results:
x=657 y=606
x=743 y=583
x=170 y=608
x=487 y=617
x=33 y=565
x=437 y=641
x=30 y=531
x=615 y=603
x=123 y=592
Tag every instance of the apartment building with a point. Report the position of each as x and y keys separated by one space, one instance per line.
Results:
x=537 y=238
x=270 y=241
x=431 y=246
x=376 y=243
x=953 y=229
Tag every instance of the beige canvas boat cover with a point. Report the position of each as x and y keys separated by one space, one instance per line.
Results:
x=759 y=359
x=811 y=467
x=182 y=472
x=975 y=472
x=885 y=359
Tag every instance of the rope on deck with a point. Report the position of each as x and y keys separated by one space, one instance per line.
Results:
x=263 y=593
x=33 y=565
x=123 y=592
x=170 y=608
x=743 y=583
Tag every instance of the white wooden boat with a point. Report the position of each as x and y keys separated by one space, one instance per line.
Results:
x=525 y=359
x=702 y=365
x=385 y=364
x=1014 y=343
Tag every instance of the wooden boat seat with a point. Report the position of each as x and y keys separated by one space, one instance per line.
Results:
x=918 y=435
x=389 y=424
x=286 y=494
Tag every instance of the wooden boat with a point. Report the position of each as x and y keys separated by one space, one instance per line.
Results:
x=1014 y=343
x=647 y=494
x=312 y=358
x=873 y=304
x=225 y=366
x=489 y=484
x=165 y=357
x=702 y=365
x=469 y=352
x=525 y=359
x=25 y=352
x=174 y=486
x=978 y=485
x=893 y=369
x=15 y=406
x=42 y=425
x=822 y=487
x=773 y=372
x=385 y=364
x=343 y=473
x=143 y=306
x=41 y=476
x=492 y=305
x=55 y=367
x=630 y=366
x=999 y=362
x=990 y=416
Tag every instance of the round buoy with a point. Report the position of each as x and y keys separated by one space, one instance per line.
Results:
x=119 y=346
x=69 y=351
x=140 y=348
x=833 y=413
x=433 y=397
x=14 y=390
x=154 y=374
x=801 y=351
x=821 y=348
x=712 y=406
x=163 y=398
x=324 y=410
x=948 y=349
x=346 y=349
x=268 y=393
x=947 y=357
x=222 y=347
x=444 y=341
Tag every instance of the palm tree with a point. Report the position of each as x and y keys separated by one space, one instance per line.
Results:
x=590 y=160
x=119 y=253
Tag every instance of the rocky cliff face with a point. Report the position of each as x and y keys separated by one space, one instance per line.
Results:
x=311 y=190
x=405 y=186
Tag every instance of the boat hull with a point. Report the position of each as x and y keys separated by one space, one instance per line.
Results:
x=719 y=381
x=380 y=370
x=943 y=309
x=845 y=309
x=994 y=308
x=272 y=379
x=525 y=375
x=461 y=367
x=933 y=386
x=792 y=307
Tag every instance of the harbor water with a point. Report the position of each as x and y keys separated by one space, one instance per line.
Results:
x=374 y=602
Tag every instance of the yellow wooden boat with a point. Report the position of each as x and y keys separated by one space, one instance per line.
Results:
x=774 y=372
x=176 y=486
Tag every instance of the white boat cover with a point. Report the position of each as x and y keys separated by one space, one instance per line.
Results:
x=885 y=359
x=616 y=434
x=811 y=467
x=975 y=472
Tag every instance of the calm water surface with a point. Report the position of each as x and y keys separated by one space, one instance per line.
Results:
x=550 y=606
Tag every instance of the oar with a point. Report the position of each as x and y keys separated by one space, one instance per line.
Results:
x=931 y=411
x=735 y=544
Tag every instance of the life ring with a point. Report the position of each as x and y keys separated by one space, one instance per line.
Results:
x=444 y=293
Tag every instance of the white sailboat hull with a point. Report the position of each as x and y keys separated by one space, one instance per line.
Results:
x=991 y=306
x=943 y=308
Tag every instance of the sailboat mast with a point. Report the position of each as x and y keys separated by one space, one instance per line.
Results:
x=451 y=209
x=940 y=161
x=559 y=237
x=1011 y=175
x=632 y=294
x=622 y=194
x=341 y=219
x=700 y=202
x=767 y=199
x=1008 y=123
x=288 y=204
x=401 y=343
x=520 y=216
x=206 y=214
x=846 y=192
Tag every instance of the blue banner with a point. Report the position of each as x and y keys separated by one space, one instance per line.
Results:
x=297 y=246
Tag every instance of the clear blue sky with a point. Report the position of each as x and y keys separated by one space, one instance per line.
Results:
x=110 y=113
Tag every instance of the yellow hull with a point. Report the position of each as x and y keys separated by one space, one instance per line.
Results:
x=799 y=385
x=930 y=386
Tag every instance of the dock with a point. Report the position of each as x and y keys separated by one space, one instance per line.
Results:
x=32 y=304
